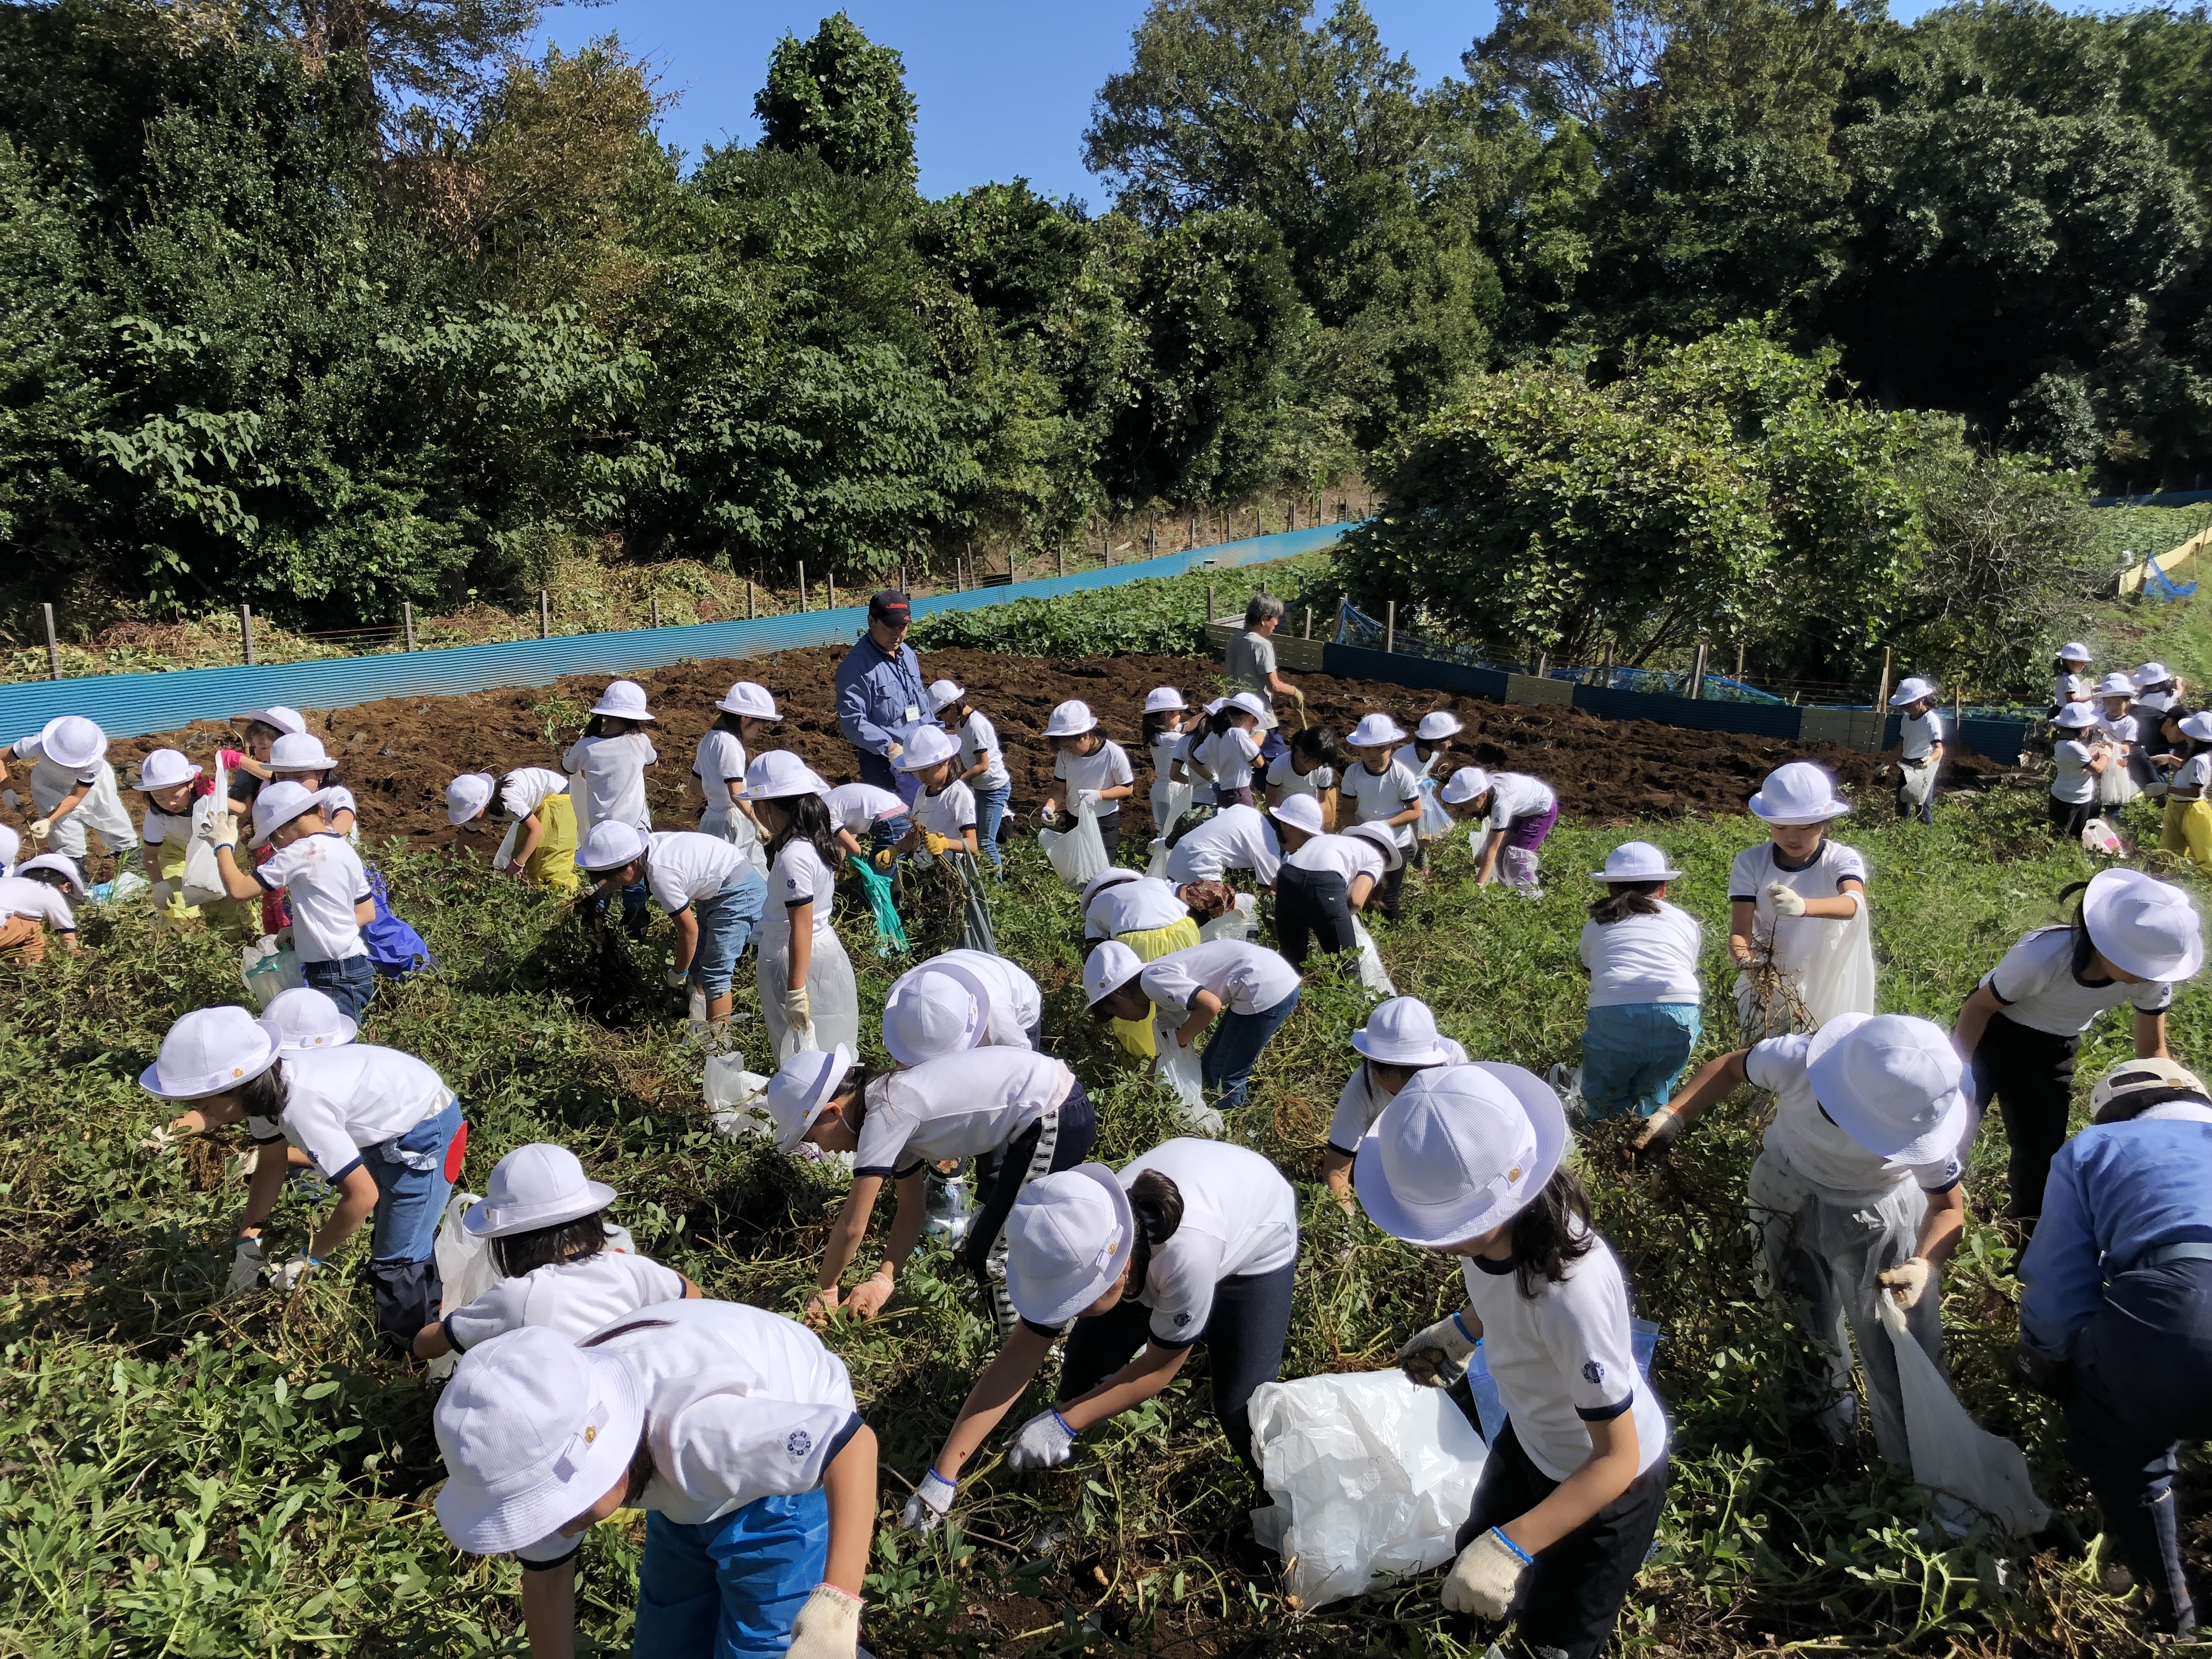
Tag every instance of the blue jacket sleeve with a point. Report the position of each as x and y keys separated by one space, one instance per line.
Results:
x=853 y=710
x=2062 y=1278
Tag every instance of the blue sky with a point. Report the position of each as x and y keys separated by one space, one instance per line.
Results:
x=1004 y=85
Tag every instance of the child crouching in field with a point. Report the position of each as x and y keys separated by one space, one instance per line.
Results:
x=1641 y=954
x=537 y=805
x=606 y=770
x=2187 y=828
x=33 y=903
x=179 y=836
x=73 y=790
x=1517 y=813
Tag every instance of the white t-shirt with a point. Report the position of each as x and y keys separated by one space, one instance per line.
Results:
x=1230 y=755
x=1563 y=1359
x=2122 y=730
x=1282 y=776
x=683 y=865
x=978 y=740
x=20 y=896
x=1240 y=1218
x=1918 y=734
x=569 y=1299
x=612 y=771
x=1248 y=978
x=1643 y=959
x=1185 y=751
x=1384 y=795
x=1162 y=751
x=948 y=813
x=1133 y=907
x=1237 y=837
x=961 y=1106
x=323 y=879
x=855 y=807
x=1105 y=767
x=1514 y=797
x=2036 y=983
x=526 y=788
x=1409 y=756
x=1362 y=1102
x=2193 y=774
x=2157 y=702
x=2069 y=687
x=799 y=877
x=1805 y=1137
x=740 y=1404
x=2072 y=781
x=1017 y=1004
x=1347 y=855
x=721 y=762
x=1795 y=937
x=339 y=1100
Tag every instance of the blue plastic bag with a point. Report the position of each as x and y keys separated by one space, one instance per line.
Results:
x=396 y=949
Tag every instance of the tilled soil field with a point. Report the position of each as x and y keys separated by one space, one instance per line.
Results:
x=397 y=755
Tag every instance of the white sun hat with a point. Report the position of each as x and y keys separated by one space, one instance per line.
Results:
x=2074 y=715
x=72 y=742
x=1402 y=1031
x=1636 y=860
x=1112 y=876
x=2143 y=925
x=1108 y=968
x=276 y=717
x=1374 y=731
x=61 y=864
x=468 y=795
x=1253 y=704
x=623 y=700
x=1910 y=691
x=211 y=1051
x=2150 y=674
x=1163 y=699
x=1460 y=1152
x=2074 y=651
x=745 y=697
x=943 y=693
x=1300 y=812
x=1383 y=838
x=1798 y=793
x=278 y=804
x=779 y=775
x=1890 y=1083
x=800 y=1089
x=1070 y=719
x=1068 y=1237
x=1217 y=705
x=2117 y=684
x=2198 y=725
x=299 y=751
x=937 y=1010
x=534 y=1431
x=927 y=746
x=610 y=846
x=305 y=1021
x=1437 y=725
x=539 y=1185
x=165 y=768
x=1468 y=783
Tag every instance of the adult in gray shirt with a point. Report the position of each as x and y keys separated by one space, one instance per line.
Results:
x=1251 y=668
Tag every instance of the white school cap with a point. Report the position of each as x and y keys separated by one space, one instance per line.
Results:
x=60 y=863
x=1460 y=1152
x=278 y=804
x=610 y=846
x=1403 y=1032
x=1468 y=783
x=1068 y=1237
x=1438 y=725
x=211 y=1051
x=1217 y=705
x=165 y=768
x=534 y=1431
x=1910 y=691
x=468 y=795
x=2143 y=925
x=800 y=1089
x=72 y=742
x=926 y=746
x=1163 y=699
x=2150 y=674
x=939 y=1010
x=1374 y=731
x=1890 y=1083
x=276 y=717
x=624 y=700
x=1800 y=792
x=1636 y=860
x=299 y=751
x=779 y=775
x=1300 y=812
x=1070 y=719
x=2117 y=684
x=2198 y=725
x=1108 y=968
x=1253 y=704
x=746 y=698
x=304 y=1022
x=1112 y=876
x=539 y=1185
x=1384 y=839
x=943 y=693
x=11 y=844
x=2073 y=651
x=2074 y=715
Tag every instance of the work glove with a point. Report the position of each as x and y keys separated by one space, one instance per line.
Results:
x=1486 y=1577
x=828 y=1625
x=1048 y=813
x=886 y=858
x=676 y=978
x=244 y=1268
x=222 y=829
x=1087 y=800
x=1907 y=1282
x=797 y=1011
x=1045 y=1443
x=1661 y=1131
x=159 y=1141
x=932 y=1502
x=294 y=1273
x=1786 y=900
x=2031 y=1369
x=41 y=827
x=1436 y=1358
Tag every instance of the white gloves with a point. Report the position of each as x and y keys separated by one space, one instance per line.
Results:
x=1486 y=1577
x=1049 y=812
x=293 y=1273
x=1786 y=900
x=1436 y=1358
x=41 y=827
x=244 y=1268
x=827 y=1626
x=1908 y=1282
x=222 y=829
x=676 y=978
x=160 y=1141
x=1087 y=800
x=797 y=1011
x=1045 y=1443
x=932 y=1502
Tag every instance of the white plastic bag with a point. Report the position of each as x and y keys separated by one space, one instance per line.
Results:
x=1434 y=824
x=1372 y=1475
x=505 y=856
x=737 y=1099
x=465 y=1271
x=1170 y=802
x=1373 y=977
x=268 y=966
x=1077 y=853
x=1180 y=1070
x=1157 y=869
x=1952 y=1454
x=1241 y=923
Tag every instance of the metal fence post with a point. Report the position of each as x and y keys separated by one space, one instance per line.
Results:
x=245 y=632
x=1063 y=558
x=1308 y=621
x=832 y=580
x=656 y=610
x=1698 y=673
x=1212 y=610
x=802 y=584
x=544 y=615
x=1881 y=691
x=1390 y=625
x=407 y=622
x=749 y=602
x=53 y=646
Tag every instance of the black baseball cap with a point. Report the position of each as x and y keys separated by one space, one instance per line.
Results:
x=890 y=605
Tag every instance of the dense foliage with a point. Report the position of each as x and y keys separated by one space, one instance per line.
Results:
x=1164 y=615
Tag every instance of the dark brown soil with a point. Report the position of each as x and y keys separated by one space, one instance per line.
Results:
x=399 y=755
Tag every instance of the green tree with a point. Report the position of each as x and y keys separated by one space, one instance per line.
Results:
x=843 y=97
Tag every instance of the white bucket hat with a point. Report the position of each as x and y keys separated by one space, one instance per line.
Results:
x=927 y=746
x=61 y=864
x=746 y=698
x=1163 y=699
x=540 y=1185
x=468 y=795
x=624 y=700
x=2073 y=651
x=1800 y=792
x=1108 y=968
x=2117 y=684
x=1468 y=783
x=2143 y=925
x=276 y=717
x=211 y=1051
x=1300 y=812
x=299 y=751
x=779 y=775
x=534 y=1431
x=1253 y=704
x=1403 y=1032
x=939 y=1009
x=2198 y=725
x=1890 y=1083
x=800 y=1089
x=1437 y=725
x=304 y=1022
x=1374 y=731
x=943 y=693
x=1112 y=876
x=1910 y=691
x=1068 y=1237
x=2074 y=716
x=2150 y=674
x=1070 y=719
x=72 y=742
x=1460 y=1152
x=165 y=768
x=1636 y=860
x=1383 y=838
x=280 y=803
x=610 y=846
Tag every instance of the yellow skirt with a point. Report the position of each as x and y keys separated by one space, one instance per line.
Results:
x=1150 y=944
x=2188 y=829
x=164 y=863
x=554 y=864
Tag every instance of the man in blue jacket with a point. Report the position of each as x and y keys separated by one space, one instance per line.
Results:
x=880 y=694
x=2116 y=1308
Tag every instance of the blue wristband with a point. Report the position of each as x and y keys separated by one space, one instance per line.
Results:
x=1525 y=1558
x=1463 y=1331
x=1057 y=1418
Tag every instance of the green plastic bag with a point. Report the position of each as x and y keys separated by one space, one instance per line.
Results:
x=891 y=932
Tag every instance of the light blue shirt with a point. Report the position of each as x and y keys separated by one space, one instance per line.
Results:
x=880 y=695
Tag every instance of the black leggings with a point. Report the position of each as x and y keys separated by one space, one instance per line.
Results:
x=998 y=1175
x=1386 y=892
x=1309 y=903
x=1109 y=832
x=1243 y=1341
x=2069 y=818
x=2030 y=1075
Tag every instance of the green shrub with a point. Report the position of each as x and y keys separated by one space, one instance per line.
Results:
x=1158 y=615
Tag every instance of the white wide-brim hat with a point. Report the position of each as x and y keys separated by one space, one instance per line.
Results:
x=1890 y=1083
x=1108 y=968
x=1460 y=1152
x=1374 y=731
x=1070 y=719
x=1636 y=860
x=468 y=795
x=2150 y=674
x=1798 y=793
x=1253 y=704
x=2074 y=651
x=1437 y=725
x=2198 y=725
x=534 y=1431
x=1401 y=1031
x=611 y=845
x=2143 y=925
x=276 y=717
x=1163 y=699
x=943 y=693
x=1384 y=840
x=1069 y=1236
x=211 y=1051
x=927 y=746
x=1910 y=691
x=1468 y=783
x=780 y=775
x=623 y=700
x=746 y=698
x=2117 y=684
x=1300 y=812
x=800 y=1089
x=165 y=768
x=939 y=1009
x=279 y=803
x=61 y=864
x=2074 y=715
x=539 y=1185
x=72 y=742
x=304 y=1021
x=299 y=751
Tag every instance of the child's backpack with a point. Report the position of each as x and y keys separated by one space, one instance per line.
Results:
x=396 y=949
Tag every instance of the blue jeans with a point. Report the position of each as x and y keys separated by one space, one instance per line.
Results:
x=634 y=914
x=1632 y=1054
x=730 y=1588
x=1234 y=1050
x=411 y=1190
x=990 y=812
x=726 y=924
x=349 y=981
